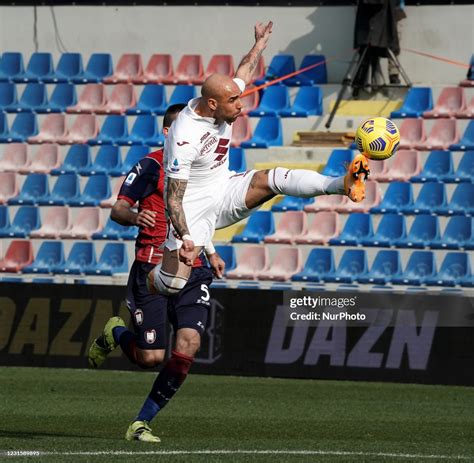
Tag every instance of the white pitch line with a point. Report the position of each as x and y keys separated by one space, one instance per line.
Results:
x=237 y=452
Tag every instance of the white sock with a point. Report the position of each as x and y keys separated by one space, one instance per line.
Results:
x=304 y=183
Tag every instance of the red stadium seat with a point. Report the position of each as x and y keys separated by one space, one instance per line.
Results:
x=46 y=159
x=115 y=191
x=412 y=133
x=254 y=259
x=250 y=102
x=372 y=199
x=378 y=169
x=129 y=68
x=18 y=255
x=52 y=129
x=326 y=203
x=450 y=101
x=92 y=97
x=57 y=220
x=123 y=97
x=190 y=70
x=292 y=224
x=467 y=112
x=83 y=129
x=288 y=262
x=325 y=226
x=87 y=222
x=406 y=164
x=15 y=157
x=8 y=186
x=443 y=134
x=241 y=131
x=159 y=70
x=220 y=64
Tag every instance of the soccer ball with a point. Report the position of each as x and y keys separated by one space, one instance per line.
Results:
x=377 y=138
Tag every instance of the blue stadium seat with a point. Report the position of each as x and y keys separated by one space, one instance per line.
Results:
x=63 y=95
x=69 y=67
x=50 y=255
x=352 y=265
x=80 y=258
x=113 y=260
x=316 y=75
x=391 y=228
x=96 y=190
x=467 y=141
x=291 y=203
x=25 y=125
x=152 y=101
x=99 y=66
x=115 y=231
x=457 y=234
x=424 y=230
x=259 y=225
x=3 y=127
x=308 y=102
x=78 y=157
x=336 y=165
x=33 y=190
x=467 y=281
x=237 y=161
x=454 y=269
x=34 y=96
x=64 y=191
x=26 y=219
x=438 y=165
x=114 y=128
x=398 y=196
x=279 y=66
x=135 y=154
x=465 y=170
x=461 y=203
x=267 y=133
x=144 y=132
x=4 y=219
x=420 y=267
x=358 y=227
x=417 y=101
x=227 y=253
x=320 y=263
x=108 y=158
x=8 y=96
x=11 y=66
x=182 y=94
x=431 y=198
x=386 y=264
x=40 y=66
x=274 y=100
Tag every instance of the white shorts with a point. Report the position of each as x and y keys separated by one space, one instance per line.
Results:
x=205 y=213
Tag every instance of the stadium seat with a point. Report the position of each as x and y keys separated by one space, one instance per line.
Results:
x=253 y=260
x=241 y=131
x=50 y=254
x=87 y=222
x=421 y=266
x=84 y=128
x=63 y=96
x=352 y=265
x=406 y=164
x=97 y=189
x=267 y=133
x=274 y=100
x=398 y=196
x=57 y=220
x=152 y=101
x=308 y=102
x=33 y=190
x=250 y=101
x=128 y=69
x=182 y=94
x=11 y=66
x=358 y=227
x=451 y=100
x=417 y=101
x=390 y=229
x=27 y=218
x=78 y=157
x=385 y=265
x=108 y=158
x=144 y=132
x=372 y=199
x=220 y=64
x=237 y=162
x=110 y=201
x=280 y=66
x=4 y=220
x=325 y=225
x=292 y=224
x=113 y=128
x=431 y=198
x=465 y=170
x=69 y=67
x=455 y=269
x=98 y=67
x=468 y=111
x=467 y=140
x=337 y=162
x=19 y=254
x=64 y=191
x=291 y=203
x=159 y=70
x=112 y=260
x=34 y=96
x=259 y=225
x=8 y=186
x=123 y=96
x=46 y=159
x=457 y=234
x=316 y=75
x=134 y=154
x=320 y=262
x=52 y=129
x=227 y=254
x=40 y=66
x=469 y=81
x=24 y=126
x=424 y=230
x=15 y=157
x=288 y=262
x=92 y=97
x=81 y=257
x=3 y=126
x=412 y=133
x=326 y=203
x=115 y=231
x=461 y=203
x=189 y=70
x=438 y=165
x=444 y=133
x=8 y=96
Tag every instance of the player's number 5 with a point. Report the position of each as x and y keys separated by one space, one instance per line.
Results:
x=205 y=290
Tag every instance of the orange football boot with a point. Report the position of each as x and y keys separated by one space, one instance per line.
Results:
x=354 y=181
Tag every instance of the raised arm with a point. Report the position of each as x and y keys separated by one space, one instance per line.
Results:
x=250 y=61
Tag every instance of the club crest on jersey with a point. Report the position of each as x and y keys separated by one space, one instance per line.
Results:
x=175 y=166
x=150 y=336
x=138 y=314
x=207 y=147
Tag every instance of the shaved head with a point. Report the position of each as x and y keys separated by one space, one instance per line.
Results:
x=218 y=86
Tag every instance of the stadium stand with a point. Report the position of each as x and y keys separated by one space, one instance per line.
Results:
x=189 y=70
x=292 y=224
x=316 y=75
x=444 y=133
x=412 y=133
x=152 y=101
x=34 y=96
x=267 y=133
x=11 y=66
x=123 y=97
x=50 y=254
x=385 y=265
x=97 y=189
x=259 y=225
x=288 y=262
x=390 y=229
x=108 y=158
x=63 y=96
x=8 y=95
x=420 y=267
x=18 y=255
x=92 y=97
x=27 y=219
x=221 y=64
x=87 y=222
x=57 y=220
x=68 y=68
x=77 y=157
x=457 y=234
x=417 y=101
x=357 y=228
x=24 y=126
x=98 y=67
x=52 y=129
x=114 y=128
x=398 y=196
x=129 y=69
x=15 y=157
x=467 y=140
x=81 y=256
x=461 y=202
x=159 y=70
x=353 y=263
x=308 y=102
x=424 y=230
x=275 y=99
x=8 y=186
x=33 y=190
x=437 y=167
x=450 y=101
x=134 y=154
x=46 y=159
x=455 y=269
x=324 y=226
x=280 y=66
x=465 y=170
x=320 y=262
x=253 y=260
x=39 y=66
x=64 y=191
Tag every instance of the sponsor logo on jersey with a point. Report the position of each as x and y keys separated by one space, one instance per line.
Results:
x=175 y=166
x=204 y=137
x=130 y=178
x=182 y=143
x=138 y=314
x=150 y=336
x=208 y=145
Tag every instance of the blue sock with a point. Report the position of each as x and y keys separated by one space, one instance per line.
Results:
x=117 y=333
x=149 y=410
x=127 y=342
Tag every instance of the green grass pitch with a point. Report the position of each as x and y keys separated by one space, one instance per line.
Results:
x=73 y=415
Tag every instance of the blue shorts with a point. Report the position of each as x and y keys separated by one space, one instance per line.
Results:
x=149 y=312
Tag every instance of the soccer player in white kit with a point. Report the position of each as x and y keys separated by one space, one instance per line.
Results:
x=203 y=195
